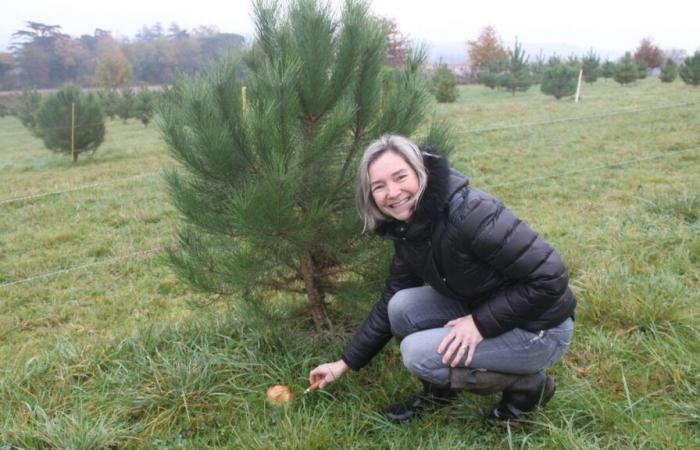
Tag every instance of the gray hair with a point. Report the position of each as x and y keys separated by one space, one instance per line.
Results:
x=371 y=216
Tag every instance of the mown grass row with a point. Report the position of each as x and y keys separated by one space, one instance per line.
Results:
x=125 y=356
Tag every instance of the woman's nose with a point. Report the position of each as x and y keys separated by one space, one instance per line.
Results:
x=393 y=190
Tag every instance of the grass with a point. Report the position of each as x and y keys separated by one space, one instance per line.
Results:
x=122 y=355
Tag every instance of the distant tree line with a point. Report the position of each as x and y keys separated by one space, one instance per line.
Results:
x=42 y=56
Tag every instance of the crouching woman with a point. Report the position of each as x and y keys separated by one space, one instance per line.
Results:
x=478 y=300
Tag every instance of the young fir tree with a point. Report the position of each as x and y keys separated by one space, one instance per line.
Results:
x=559 y=79
x=144 y=105
x=27 y=105
x=491 y=74
x=626 y=70
x=516 y=77
x=643 y=68
x=71 y=122
x=607 y=70
x=487 y=78
x=126 y=107
x=689 y=71
x=443 y=85
x=109 y=102
x=267 y=184
x=669 y=72
x=537 y=67
x=591 y=67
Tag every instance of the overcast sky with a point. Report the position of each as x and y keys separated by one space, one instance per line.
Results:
x=609 y=26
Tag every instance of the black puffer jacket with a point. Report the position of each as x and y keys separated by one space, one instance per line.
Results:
x=465 y=244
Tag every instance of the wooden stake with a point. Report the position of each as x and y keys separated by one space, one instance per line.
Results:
x=72 y=130
x=244 y=100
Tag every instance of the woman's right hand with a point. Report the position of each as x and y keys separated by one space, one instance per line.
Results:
x=328 y=373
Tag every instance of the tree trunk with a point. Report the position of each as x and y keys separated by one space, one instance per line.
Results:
x=318 y=306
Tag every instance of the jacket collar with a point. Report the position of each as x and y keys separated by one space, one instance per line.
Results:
x=443 y=183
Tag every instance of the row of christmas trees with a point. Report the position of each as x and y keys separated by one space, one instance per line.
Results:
x=73 y=122
x=559 y=77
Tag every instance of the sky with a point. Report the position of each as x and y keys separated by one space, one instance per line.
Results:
x=608 y=26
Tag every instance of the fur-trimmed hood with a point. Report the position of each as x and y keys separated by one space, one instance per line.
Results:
x=443 y=182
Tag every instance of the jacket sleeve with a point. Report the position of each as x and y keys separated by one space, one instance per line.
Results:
x=375 y=332
x=537 y=276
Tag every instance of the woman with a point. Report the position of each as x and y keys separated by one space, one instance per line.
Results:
x=478 y=300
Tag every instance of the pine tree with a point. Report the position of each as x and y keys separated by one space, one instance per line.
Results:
x=109 y=102
x=64 y=133
x=492 y=73
x=626 y=71
x=608 y=69
x=126 y=107
x=559 y=79
x=591 y=67
x=443 y=85
x=487 y=78
x=669 y=72
x=642 y=67
x=27 y=105
x=517 y=76
x=266 y=185
x=145 y=104
x=689 y=71
x=537 y=67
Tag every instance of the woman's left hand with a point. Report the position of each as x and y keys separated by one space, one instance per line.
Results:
x=462 y=338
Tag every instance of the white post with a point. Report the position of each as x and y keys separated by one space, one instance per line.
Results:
x=578 y=87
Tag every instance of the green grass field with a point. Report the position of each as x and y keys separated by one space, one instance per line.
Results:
x=103 y=347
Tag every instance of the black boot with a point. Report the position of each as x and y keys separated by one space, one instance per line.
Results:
x=522 y=397
x=429 y=398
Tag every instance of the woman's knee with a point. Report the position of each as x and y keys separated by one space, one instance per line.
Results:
x=421 y=359
x=398 y=309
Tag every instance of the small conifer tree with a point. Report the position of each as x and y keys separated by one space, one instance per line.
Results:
x=626 y=70
x=27 y=105
x=516 y=77
x=487 y=78
x=689 y=71
x=266 y=186
x=643 y=68
x=443 y=85
x=490 y=75
x=669 y=72
x=559 y=79
x=71 y=122
x=109 y=102
x=591 y=67
x=607 y=69
x=145 y=104
x=537 y=67
x=126 y=107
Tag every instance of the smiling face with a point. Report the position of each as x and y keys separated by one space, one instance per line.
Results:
x=394 y=186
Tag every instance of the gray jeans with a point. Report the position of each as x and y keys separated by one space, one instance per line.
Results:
x=418 y=315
